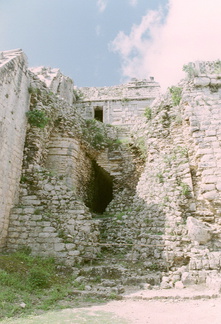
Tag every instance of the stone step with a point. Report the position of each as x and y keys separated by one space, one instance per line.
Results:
x=192 y=292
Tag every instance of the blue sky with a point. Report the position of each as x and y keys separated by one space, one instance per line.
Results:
x=73 y=35
x=106 y=42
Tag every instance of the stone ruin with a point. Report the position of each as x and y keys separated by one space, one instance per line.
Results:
x=118 y=173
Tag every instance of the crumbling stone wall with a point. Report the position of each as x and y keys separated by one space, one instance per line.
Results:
x=165 y=209
x=58 y=173
x=14 y=102
x=201 y=108
x=119 y=104
x=172 y=222
x=57 y=82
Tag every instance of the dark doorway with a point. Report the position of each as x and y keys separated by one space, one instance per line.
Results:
x=98 y=114
x=100 y=191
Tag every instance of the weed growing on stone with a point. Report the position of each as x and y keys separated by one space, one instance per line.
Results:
x=148 y=113
x=37 y=118
x=78 y=285
x=96 y=135
x=34 y=91
x=120 y=215
x=182 y=150
x=176 y=95
x=169 y=158
x=140 y=143
x=37 y=211
x=217 y=67
x=190 y=70
x=166 y=199
x=185 y=189
x=125 y=99
x=178 y=120
x=160 y=177
x=153 y=267
x=78 y=95
x=147 y=221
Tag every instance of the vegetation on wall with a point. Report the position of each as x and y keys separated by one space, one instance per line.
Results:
x=97 y=135
x=78 y=95
x=148 y=113
x=37 y=118
x=176 y=95
x=190 y=70
x=34 y=91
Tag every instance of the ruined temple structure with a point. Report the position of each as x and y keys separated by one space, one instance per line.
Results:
x=113 y=173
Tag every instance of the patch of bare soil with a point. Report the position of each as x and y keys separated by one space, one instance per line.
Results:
x=188 y=306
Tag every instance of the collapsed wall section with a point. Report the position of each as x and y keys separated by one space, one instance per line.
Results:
x=14 y=103
x=58 y=83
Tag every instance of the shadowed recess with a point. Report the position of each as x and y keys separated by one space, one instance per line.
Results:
x=100 y=189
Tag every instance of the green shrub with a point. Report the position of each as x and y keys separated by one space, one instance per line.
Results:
x=148 y=113
x=78 y=95
x=34 y=91
x=96 y=134
x=176 y=95
x=190 y=70
x=37 y=118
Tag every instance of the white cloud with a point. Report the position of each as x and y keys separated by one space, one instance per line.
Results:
x=160 y=47
x=102 y=4
x=133 y=3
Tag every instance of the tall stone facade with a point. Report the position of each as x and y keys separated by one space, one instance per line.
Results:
x=14 y=102
x=101 y=172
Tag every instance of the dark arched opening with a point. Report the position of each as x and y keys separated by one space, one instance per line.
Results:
x=100 y=191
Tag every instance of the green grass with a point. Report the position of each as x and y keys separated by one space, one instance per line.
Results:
x=38 y=283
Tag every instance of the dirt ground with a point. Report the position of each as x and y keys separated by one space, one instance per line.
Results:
x=171 y=309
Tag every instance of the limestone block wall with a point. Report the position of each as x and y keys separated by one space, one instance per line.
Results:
x=202 y=113
x=67 y=158
x=14 y=102
x=50 y=217
x=51 y=220
x=153 y=219
x=119 y=104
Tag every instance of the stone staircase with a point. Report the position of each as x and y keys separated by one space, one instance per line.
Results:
x=111 y=280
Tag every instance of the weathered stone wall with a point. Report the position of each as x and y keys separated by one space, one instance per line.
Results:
x=119 y=104
x=51 y=220
x=165 y=176
x=58 y=173
x=172 y=222
x=56 y=82
x=14 y=102
x=201 y=108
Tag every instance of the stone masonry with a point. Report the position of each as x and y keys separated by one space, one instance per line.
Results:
x=14 y=102
x=101 y=172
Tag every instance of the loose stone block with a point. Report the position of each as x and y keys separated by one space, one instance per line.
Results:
x=198 y=231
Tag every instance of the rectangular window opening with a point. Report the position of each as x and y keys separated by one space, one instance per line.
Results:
x=98 y=114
